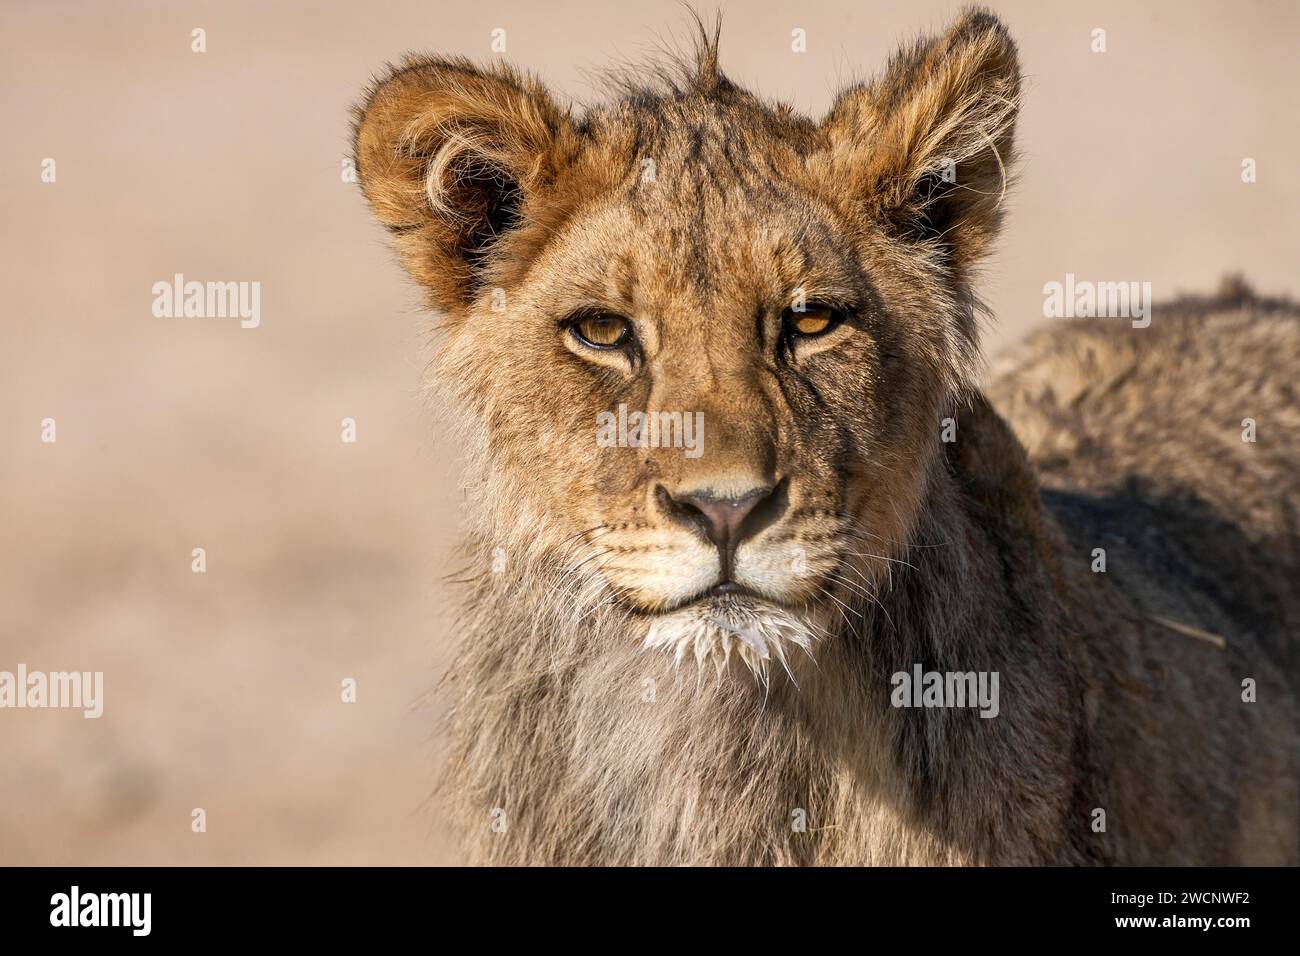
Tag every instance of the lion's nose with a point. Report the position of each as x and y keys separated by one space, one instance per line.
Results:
x=724 y=519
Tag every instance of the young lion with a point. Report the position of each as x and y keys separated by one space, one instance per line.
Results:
x=847 y=627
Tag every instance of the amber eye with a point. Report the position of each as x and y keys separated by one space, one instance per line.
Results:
x=601 y=330
x=812 y=320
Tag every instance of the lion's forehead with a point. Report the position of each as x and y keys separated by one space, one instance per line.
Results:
x=678 y=256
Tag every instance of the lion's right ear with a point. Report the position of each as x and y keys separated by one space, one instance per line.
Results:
x=929 y=145
x=450 y=156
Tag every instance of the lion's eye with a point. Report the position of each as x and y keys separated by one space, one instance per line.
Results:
x=601 y=330
x=812 y=320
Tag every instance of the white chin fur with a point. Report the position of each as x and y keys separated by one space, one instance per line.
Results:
x=719 y=630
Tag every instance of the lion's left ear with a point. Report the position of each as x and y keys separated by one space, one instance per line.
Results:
x=929 y=145
x=451 y=156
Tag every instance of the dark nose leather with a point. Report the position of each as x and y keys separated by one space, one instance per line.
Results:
x=727 y=521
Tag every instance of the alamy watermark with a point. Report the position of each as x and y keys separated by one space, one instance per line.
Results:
x=1084 y=299
x=73 y=690
x=636 y=429
x=130 y=910
x=179 y=299
x=922 y=688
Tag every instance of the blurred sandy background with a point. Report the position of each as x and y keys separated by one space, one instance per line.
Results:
x=223 y=689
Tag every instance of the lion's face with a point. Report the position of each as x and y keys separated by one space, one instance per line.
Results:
x=711 y=371
x=803 y=424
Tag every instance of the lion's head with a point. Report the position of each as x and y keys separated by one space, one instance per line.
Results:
x=706 y=344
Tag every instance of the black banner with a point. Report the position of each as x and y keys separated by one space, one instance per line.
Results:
x=330 y=906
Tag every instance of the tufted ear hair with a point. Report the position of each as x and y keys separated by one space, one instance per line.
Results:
x=928 y=146
x=450 y=157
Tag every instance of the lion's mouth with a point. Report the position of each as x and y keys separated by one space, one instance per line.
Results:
x=725 y=595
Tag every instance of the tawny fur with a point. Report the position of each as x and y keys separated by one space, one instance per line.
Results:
x=575 y=743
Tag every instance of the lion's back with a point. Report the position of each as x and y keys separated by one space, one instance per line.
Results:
x=1139 y=437
x=1142 y=442
x=1097 y=402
